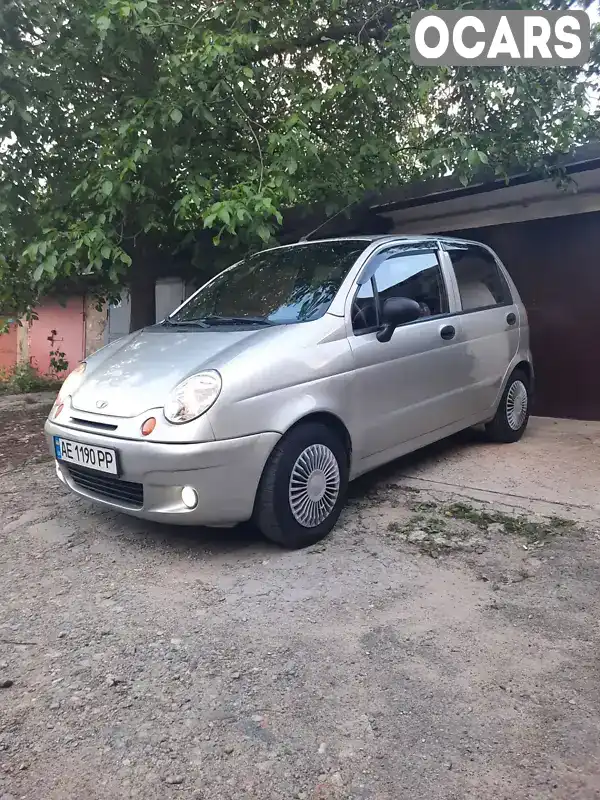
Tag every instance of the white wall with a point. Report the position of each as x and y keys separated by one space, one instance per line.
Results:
x=170 y=293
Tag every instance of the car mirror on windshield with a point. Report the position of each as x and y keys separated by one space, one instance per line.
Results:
x=397 y=311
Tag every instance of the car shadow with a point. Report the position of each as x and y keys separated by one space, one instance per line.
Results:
x=395 y=471
x=243 y=538
x=246 y=539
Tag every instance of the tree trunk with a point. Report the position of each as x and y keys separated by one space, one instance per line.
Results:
x=142 y=282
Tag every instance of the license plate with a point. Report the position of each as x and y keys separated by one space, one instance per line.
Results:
x=102 y=459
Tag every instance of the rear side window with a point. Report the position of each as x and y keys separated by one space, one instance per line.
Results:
x=480 y=282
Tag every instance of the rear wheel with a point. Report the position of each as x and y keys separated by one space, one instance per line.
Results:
x=512 y=415
x=303 y=486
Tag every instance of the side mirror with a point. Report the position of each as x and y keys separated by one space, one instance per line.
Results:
x=397 y=311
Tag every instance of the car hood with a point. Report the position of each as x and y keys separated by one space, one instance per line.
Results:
x=137 y=373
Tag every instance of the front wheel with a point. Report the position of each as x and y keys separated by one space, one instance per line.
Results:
x=512 y=416
x=303 y=487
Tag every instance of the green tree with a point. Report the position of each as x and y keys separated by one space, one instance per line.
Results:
x=128 y=126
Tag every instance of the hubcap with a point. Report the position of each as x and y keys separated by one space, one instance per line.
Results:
x=314 y=485
x=516 y=405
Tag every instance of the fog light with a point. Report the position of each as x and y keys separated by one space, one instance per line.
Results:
x=189 y=497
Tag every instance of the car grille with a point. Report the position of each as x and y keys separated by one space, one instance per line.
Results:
x=88 y=423
x=107 y=486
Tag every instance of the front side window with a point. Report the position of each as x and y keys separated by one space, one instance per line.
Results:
x=287 y=285
x=480 y=281
x=411 y=271
x=414 y=275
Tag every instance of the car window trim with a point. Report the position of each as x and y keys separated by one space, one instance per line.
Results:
x=484 y=308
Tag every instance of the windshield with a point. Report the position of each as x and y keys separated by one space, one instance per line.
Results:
x=290 y=284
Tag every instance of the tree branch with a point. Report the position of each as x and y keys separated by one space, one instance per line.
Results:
x=252 y=131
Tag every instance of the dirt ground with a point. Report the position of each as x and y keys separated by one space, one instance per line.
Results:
x=429 y=649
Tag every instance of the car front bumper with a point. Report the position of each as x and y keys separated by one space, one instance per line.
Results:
x=225 y=475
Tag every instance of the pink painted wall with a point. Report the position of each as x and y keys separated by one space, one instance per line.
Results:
x=68 y=322
x=8 y=347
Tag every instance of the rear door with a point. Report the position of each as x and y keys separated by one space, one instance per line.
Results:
x=411 y=385
x=489 y=323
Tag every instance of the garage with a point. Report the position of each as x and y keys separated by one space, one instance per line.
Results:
x=549 y=239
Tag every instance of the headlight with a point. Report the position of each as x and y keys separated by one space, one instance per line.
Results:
x=72 y=382
x=193 y=396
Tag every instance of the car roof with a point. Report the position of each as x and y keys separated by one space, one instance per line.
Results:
x=366 y=238
x=380 y=238
x=390 y=237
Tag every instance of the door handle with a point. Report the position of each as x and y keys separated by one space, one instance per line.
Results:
x=448 y=332
x=511 y=318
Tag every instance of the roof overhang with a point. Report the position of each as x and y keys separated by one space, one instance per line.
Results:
x=442 y=205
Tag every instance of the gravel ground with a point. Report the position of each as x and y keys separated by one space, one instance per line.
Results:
x=425 y=650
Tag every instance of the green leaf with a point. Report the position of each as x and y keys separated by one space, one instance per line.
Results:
x=483 y=157
x=176 y=116
x=103 y=23
x=107 y=188
x=263 y=232
x=209 y=116
x=292 y=166
x=106 y=251
x=38 y=272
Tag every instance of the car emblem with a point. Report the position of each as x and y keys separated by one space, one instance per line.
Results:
x=101 y=403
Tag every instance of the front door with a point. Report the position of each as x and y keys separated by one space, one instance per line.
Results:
x=409 y=386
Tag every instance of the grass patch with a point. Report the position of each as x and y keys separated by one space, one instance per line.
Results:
x=421 y=506
x=519 y=525
x=23 y=379
x=433 y=526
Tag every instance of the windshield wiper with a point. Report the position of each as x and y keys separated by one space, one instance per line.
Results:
x=217 y=320
x=199 y=323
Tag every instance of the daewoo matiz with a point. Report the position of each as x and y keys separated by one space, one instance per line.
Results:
x=289 y=374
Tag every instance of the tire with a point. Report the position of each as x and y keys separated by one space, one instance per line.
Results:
x=502 y=427
x=274 y=513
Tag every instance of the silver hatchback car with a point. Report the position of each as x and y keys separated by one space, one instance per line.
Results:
x=291 y=373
